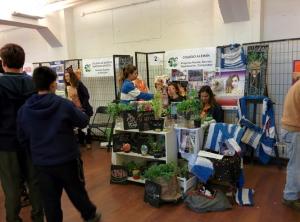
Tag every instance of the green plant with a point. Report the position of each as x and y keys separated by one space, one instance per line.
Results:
x=157 y=105
x=167 y=171
x=131 y=166
x=183 y=170
x=115 y=109
x=155 y=146
x=188 y=107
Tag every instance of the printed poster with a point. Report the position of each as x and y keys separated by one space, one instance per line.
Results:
x=98 y=67
x=257 y=58
x=190 y=63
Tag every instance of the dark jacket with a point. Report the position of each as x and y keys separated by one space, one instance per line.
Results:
x=84 y=97
x=217 y=113
x=15 y=88
x=45 y=123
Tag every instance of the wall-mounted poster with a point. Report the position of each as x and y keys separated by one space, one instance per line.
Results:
x=98 y=67
x=296 y=71
x=257 y=58
x=229 y=81
x=182 y=62
x=228 y=87
x=58 y=67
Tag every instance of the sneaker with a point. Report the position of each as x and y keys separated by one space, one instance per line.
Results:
x=295 y=204
x=96 y=218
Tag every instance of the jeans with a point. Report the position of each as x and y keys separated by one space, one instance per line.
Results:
x=14 y=166
x=68 y=176
x=292 y=186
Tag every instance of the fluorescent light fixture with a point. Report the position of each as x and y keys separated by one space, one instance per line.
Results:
x=28 y=16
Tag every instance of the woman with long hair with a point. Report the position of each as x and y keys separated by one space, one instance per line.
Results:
x=210 y=107
x=232 y=85
x=129 y=92
x=76 y=91
x=173 y=93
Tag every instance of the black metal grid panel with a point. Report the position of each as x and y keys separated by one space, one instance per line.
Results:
x=156 y=70
x=101 y=90
x=141 y=64
x=281 y=55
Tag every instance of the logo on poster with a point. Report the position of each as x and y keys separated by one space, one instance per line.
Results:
x=173 y=61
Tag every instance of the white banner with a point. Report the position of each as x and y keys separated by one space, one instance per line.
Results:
x=191 y=59
x=98 y=67
x=191 y=64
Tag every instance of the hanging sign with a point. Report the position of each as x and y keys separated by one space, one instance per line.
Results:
x=156 y=59
x=98 y=67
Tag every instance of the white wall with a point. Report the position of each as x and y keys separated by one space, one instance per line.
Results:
x=280 y=19
x=35 y=46
x=158 y=25
x=154 y=26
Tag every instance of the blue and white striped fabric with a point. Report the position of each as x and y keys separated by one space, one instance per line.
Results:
x=219 y=132
x=253 y=133
x=203 y=169
x=244 y=197
x=266 y=148
x=130 y=93
x=233 y=57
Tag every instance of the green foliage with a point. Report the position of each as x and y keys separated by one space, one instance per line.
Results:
x=155 y=146
x=157 y=105
x=115 y=109
x=183 y=169
x=167 y=171
x=256 y=56
x=189 y=106
x=131 y=166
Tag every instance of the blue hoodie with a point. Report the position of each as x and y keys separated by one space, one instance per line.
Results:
x=15 y=88
x=45 y=123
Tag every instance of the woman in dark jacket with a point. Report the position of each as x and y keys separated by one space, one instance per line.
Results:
x=210 y=107
x=76 y=91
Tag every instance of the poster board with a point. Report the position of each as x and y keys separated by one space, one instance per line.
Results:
x=98 y=67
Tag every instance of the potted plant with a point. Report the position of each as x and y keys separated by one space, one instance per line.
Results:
x=116 y=110
x=155 y=147
x=166 y=176
x=190 y=107
x=157 y=107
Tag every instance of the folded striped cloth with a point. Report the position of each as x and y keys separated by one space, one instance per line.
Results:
x=244 y=197
x=253 y=133
x=203 y=169
x=218 y=133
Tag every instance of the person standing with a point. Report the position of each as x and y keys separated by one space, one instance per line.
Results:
x=290 y=132
x=76 y=91
x=129 y=92
x=15 y=88
x=46 y=122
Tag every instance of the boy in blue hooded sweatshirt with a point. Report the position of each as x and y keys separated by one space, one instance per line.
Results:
x=45 y=124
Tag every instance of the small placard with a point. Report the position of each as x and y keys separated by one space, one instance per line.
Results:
x=119 y=174
x=152 y=193
x=145 y=120
x=130 y=119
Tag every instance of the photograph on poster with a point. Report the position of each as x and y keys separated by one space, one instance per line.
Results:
x=177 y=75
x=187 y=141
x=195 y=75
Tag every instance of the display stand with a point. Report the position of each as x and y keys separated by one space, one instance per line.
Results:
x=119 y=158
